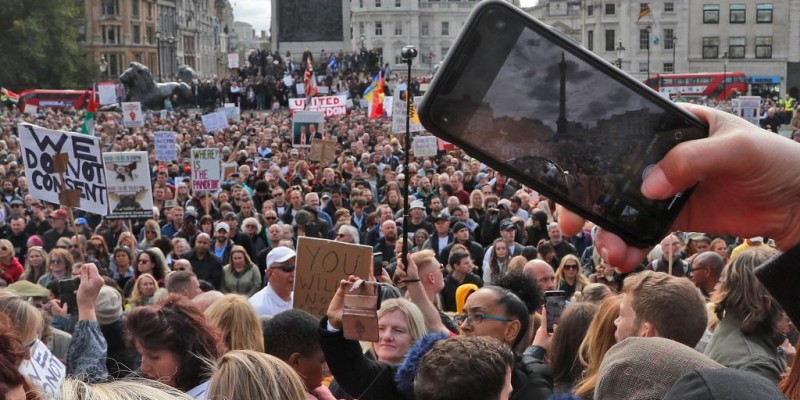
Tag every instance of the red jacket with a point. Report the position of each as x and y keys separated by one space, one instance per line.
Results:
x=12 y=271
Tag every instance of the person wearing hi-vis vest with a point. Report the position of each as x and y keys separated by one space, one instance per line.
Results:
x=789 y=105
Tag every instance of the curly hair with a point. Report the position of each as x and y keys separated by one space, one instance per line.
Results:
x=178 y=326
x=11 y=356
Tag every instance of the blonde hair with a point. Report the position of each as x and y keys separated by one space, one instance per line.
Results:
x=10 y=246
x=29 y=272
x=517 y=264
x=136 y=298
x=411 y=313
x=63 y=255
x=247 y=374
x=125 y=389
x=237 y=320
x=129 y=236
x=598 y=340
x=26 y=318
x=580 y=280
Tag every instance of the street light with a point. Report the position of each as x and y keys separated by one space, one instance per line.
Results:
x=103 y=64
x=724 y=76
x=620 y=53
x=674 y=45
x=648 y=29
x=158 y=54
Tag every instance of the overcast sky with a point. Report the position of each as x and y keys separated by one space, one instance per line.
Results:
x=258 y=12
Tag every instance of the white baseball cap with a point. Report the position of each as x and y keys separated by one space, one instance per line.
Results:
x=279 y=254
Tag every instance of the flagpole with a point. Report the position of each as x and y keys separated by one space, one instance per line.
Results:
x=408 y=53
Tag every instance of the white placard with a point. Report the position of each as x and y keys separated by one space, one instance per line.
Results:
x=301 y=89
x=231 y=112
x=132 y=116
x=233 y=60
x=107 y=92
x=85 y=171
x=215 y=121
x=307 y=126
x=31 y=109
x=130 y=194
x=399 y=115
x=164 y=143
x=205 y=170
x=44 y=370
x=424 y=146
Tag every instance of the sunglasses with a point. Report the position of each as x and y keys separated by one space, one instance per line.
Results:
x=571 y=266
x=285 y=268
x=270 y=218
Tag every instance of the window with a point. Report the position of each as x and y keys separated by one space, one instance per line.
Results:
x=444 y=51
x=377 y=3
x=763 y=46
x=361 y=3
x=360 y=28
x=398 y=3
x=711 y=13
x=111 y=34
x=736 y=47
x=137 y=34
x=398 y=29
x=137 y=57
x=398 y=59
x=669 y=7
x=379 y=52
x=610 y=40
x=643 y=67
x=149 y=11
x=590 y=40
x=427 y=58
x=151 y=35
x=669 y=39
x=644 y=39
x=378 y=28
x=764 y=13
x=611 y=8
x=445 y=28
x=668 y=67
x=425 y=29
x=115 y=64
x=110 y=7
x=710 y=47
x=135 y=11
x=738 y=13
x=590 y=10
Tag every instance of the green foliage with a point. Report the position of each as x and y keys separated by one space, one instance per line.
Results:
x=38 y=40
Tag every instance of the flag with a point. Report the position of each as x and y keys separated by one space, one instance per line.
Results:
x=412 y=109
x=332 y=64
x=7 y=95
x=88 y=117
x=645 y=11
x=310 y=80
x=374 y=95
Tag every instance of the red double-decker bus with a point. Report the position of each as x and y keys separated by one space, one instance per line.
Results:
x=708 y=85
x=52 y=98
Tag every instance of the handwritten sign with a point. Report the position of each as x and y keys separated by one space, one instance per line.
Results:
x=132 y=116
x=424 y=146
x=44 y=370
x=322 y=151
x=215 y=121
x=84 y=171
x=233 y=60
x=205 y=170
x=331 y=106
x=130 y=194
x=321 y=264
x=165 y=149
x=399 y=114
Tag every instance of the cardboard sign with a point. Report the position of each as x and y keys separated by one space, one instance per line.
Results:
x=228 y=169
x=322 y=151
x=44 y=370
x=399 y=109
x=215 y=121
x=130 y=194
x=332 y=106
x=424 y=146
x=205 y=170
x=307 y=126
x=165 y=149
x=233 y=60
x=321 y=264
x=84 y=171
x=132 y=116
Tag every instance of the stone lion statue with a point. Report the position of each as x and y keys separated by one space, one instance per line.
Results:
x=140 y=86
x=187 y=74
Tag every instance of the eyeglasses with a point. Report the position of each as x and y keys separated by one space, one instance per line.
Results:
x=341 y=235
x=285 y=268
x=270 y=218
x=16 y=205
x=571 y=266
x=278 y=194
x=476 y=318
x=144 y=261
x=56 y=261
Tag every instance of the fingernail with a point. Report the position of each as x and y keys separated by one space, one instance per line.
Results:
x=655 y=184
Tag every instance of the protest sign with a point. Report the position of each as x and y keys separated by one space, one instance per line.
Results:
x=332 y=106
x=44 y=370
x=164 y=142
x=130 y=194
x=30 y=109
x=231 y=112
x=387 y=105
x=301 y=89
x=321 y=264
x=307 y=125
x=107 y=92
x=323 y=89
x=228 y=169
x=132 y=116
x=424 y=146
x=205 y=170
x=322 y=151
x=444 y=145
x=399 y=114
x=215 y=121
x=748 y=107
x=233 y=60
x=84 y=171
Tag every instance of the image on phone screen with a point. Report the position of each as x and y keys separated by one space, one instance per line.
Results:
x=555 y=302
x=534 y=105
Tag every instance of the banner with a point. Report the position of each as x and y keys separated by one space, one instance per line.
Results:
x=164 y=142
x=130 y=194
x=132 y=116
x=332 y=106
x=306 y=126
x=44 y=370
x=107 y=92
x=424 y=146
x=84 y=173
x=205 y=170
x=215 y=121
x=321 y=264
x=233 y=60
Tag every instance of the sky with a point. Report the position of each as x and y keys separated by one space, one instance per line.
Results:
x=258 y=12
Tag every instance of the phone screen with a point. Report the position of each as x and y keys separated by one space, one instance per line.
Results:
x=554 y=303
x=535 y=106
x=67 y=294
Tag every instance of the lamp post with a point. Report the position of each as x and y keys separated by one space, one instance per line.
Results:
x=409 y=53
x=648 y=29
x=103 y=64
x=620 y=53
x=674 y=45
x=158 y=54
x=724 y=76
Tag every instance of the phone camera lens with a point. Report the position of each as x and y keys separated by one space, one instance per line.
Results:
x=500 y=25
x=445 y=119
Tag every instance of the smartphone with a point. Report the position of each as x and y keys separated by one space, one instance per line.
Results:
x=67 y=289
x=531 y=103
x=377 y=264
x=555 y=301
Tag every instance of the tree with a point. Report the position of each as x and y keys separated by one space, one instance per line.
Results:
x=40 y=46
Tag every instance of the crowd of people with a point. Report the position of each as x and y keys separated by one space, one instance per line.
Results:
x=196 y=302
